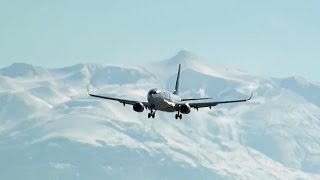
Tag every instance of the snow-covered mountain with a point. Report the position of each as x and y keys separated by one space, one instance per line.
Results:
x=51 y=129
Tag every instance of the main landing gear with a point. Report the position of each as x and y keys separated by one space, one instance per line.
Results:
x=178 y=115
x=152 y=113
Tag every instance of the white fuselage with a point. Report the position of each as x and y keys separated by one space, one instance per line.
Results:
x=163 y=100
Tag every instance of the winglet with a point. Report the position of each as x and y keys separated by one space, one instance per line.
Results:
x=176 y=89
x=88 y=88
x=250 y=96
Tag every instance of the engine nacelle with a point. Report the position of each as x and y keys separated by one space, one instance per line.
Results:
x=185 y=109
x=138 y=107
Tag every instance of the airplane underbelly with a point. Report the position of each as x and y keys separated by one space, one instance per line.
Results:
x=165 y=107
x=161 y=105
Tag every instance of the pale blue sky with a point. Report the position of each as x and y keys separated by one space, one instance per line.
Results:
x=272 y=38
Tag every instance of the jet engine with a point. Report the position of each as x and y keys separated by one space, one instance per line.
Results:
x=138 y=107
x=185 y=109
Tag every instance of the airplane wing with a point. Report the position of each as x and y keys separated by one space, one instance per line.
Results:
x=209 y=104
x=123 y=101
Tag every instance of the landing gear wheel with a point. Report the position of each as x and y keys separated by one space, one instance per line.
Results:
x=152 y=114
x=178 y=116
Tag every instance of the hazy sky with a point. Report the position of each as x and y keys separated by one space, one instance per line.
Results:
x=272 y=38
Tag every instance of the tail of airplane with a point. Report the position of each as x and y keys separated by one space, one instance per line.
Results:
x=176 y=89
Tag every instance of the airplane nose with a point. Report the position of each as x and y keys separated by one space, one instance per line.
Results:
x=152 y=96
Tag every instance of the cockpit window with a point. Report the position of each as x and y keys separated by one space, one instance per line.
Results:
x=153 y=91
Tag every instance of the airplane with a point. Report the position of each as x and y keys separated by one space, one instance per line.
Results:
x=162 y=100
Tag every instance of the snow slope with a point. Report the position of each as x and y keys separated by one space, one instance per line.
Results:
x=51 y=129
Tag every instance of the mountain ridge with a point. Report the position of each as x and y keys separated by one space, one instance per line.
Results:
x=51 y=128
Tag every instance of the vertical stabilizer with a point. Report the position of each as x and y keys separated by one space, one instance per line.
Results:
x=176 y=89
